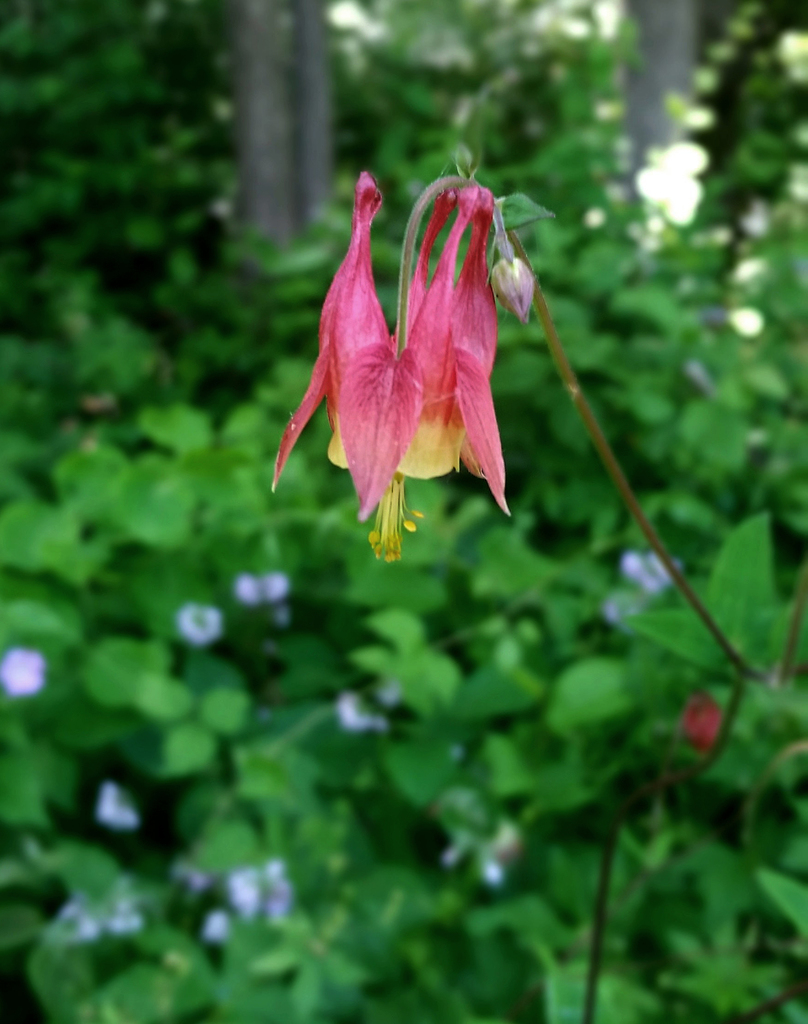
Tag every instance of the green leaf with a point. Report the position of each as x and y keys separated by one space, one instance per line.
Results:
x=119 y=670
x=591 y=692
x=510 y=773
x=790 y=896
x=420 y=769
x=741 y=592
x=225 y=710
x=19 y=923
x=155 y=503
x=489 y=693
x=35 y=620
x=21 y=798
x=179 y=427
x=681 y=631
x=188 y=748
x=162 y=698
x=86 y=869
x=227 y=845
x=519 y=210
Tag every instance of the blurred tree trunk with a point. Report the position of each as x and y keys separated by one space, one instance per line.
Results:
x=314 y=134
x=671 y=35
x=259 y=35
x=284 y=142
x=666 y=45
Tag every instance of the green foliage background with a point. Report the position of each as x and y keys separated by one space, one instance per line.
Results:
x=144 y=386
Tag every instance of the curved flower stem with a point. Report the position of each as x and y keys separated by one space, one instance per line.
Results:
x=408 y=250
x=615 y=471
x=770 y=1004
x=797 y=615
x=647 y=789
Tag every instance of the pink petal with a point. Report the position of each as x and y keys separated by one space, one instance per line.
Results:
x=379 y=408
x=474 y=320
x=444 y=204
x=314 y=395
x=430 y=337
x=352 y=315
x=482 y=432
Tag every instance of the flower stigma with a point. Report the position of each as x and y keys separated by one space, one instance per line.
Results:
x=385 y=538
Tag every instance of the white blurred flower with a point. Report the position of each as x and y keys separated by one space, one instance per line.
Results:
x=199 y=624
x=595 y=218
x=755 y=221
x=353 y=718
x=350 y=17
x=216 y=927
x=22 y=672
x=645 y=570
x=792 y=50
x=798 y=183
x=248 y=589
x=608 y=110
x=125 y=917
x=684 y=158
x=747 y=322
x=81 y=920
x=115 y=809
x=677 y=195
x=749 y=270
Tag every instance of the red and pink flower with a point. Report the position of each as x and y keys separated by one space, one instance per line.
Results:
x=419 y=413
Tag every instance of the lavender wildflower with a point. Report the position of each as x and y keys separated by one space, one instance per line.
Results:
x=114 y=808
x=244 y=891
x=81 y=925
x=352 y=718
x=281 y=894
x=216 y=927
x=645 y=570
x=22 y=672
x=277 y=587
x=493 y=873
x=199 y=624
x=248 y=589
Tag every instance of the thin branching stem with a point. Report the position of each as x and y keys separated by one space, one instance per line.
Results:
x=770 y=1004
x=615 y=471
x=408 y=249
x=647 y=789
x=797 y=616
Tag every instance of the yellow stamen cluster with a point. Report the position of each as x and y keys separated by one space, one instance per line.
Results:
x=385 y=538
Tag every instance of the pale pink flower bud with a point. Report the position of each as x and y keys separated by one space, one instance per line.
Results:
x=512 y=282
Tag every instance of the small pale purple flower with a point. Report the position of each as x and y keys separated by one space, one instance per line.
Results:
x=280 y=894
x=244 y=891
x=216 y=927
x=192 y=878
x=248 y=589
x=125 y=917
x=199 y=624
x=493 y=873
x=353 y=718
x=80 y=924
x=277 y=587
x=22 y=672
x=282 y=616
x=645 y=570
x=389 y=693
x=115 y=809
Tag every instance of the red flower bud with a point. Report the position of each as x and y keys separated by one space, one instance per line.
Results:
x=701 y=721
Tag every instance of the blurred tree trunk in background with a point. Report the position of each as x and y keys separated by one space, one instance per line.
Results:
x=314 y=133
x=671 y=35
x=283 y=113
x=665 y=61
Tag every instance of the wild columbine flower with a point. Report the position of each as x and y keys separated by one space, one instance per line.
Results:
x=701 y=721
x=513 y=286
x=419 y=412
x=22 y=672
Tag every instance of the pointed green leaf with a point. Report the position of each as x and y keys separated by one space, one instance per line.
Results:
x=519 y=210
x=741 y=593
x=790 y=896
x=678 y=630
